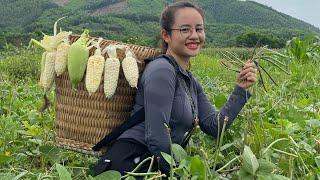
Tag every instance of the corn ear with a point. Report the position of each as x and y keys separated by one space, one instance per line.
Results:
x=60 y=65
x=130 y=70
x=78 y=55
x=43 y=61
x=111 y=75
x=48 y=71
x=94 y=72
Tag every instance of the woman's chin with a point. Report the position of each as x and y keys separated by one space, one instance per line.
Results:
x=193 y=53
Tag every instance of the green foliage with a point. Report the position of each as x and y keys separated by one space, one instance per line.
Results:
x=21 y=20
x=250 y=39
x=112 y=175
x=250 y=162
x=304 y=49
x=63 y=172
x=276 y=136
x=20 y=63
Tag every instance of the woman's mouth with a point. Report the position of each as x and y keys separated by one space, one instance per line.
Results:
x=192 y=46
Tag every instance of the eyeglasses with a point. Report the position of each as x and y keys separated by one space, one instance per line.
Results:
x=186 y=31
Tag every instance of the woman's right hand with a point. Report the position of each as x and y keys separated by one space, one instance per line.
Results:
x=248 y=75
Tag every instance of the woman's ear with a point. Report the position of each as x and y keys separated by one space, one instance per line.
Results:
x=165 y=35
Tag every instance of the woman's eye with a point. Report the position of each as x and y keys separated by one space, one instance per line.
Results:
x=199 y=29
x=185 y=30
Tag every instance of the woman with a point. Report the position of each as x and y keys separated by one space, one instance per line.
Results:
x=170 y=95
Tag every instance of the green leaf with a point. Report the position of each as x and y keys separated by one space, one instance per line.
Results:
x=271 y=177
x=63 y=172
x=226 y=146
x=178 y=152
x=250 y=162
x=266 y=166
x=278 y=177
x=184 y=165
x=198 y=168
x=4 y=158
x=50 y=152
x=314 y=123
x=244 y=175
x=6 y=176
x=130 y=178
x=264 y=177
x=194 y=178
x=20 y=175
x=110 y=175
x=220 y=100
x=168 y=158
x=317 y=159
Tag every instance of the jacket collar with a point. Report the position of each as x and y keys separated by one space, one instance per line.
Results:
x=176 y=65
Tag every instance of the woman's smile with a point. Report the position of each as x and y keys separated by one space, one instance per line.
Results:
x=192 y=45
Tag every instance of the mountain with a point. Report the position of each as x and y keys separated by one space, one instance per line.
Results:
x=136 y=21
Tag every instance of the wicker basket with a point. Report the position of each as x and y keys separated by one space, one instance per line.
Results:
x=83 y=120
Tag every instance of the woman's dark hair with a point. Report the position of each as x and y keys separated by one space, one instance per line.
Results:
x=167 y=18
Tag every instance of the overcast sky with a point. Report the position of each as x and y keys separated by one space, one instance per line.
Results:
x=306 y=10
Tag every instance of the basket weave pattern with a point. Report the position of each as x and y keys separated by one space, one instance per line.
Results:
x=83 y=120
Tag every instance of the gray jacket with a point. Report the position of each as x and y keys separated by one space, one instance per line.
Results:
x=165 y=101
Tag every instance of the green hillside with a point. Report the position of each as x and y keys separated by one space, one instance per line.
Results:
x=136 y=21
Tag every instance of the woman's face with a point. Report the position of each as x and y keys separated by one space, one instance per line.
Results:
x=187 y=35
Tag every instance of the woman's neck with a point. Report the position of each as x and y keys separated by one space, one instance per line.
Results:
x=183 y=62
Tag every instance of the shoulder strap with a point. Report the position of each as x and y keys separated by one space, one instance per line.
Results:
x=135 y=119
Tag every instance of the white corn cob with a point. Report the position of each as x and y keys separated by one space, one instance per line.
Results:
x=130 y=70
x=94 y=72
x=61 y=61
x=43 y=61
x=48 y=71
x=111 y=75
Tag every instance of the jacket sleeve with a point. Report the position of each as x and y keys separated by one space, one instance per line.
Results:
x=208 y=116
x=159 y=88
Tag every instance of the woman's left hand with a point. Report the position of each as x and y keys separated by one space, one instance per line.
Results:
x=248 y=75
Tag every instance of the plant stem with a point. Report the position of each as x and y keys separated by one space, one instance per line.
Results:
x=139 y=165
x=171 y=152
x=140 y=174
x=271 y=144
x=226 y=165
x=220 y=140
x=283 y=152
x=157 y=176
x=151 y=163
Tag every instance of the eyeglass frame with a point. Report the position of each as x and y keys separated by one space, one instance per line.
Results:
x=190 y=29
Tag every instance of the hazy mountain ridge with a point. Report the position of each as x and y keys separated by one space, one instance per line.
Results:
x=124 y=19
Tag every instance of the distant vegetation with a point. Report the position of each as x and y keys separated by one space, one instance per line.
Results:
x=228 y=22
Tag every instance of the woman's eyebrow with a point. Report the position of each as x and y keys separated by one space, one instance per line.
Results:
x=188 y=25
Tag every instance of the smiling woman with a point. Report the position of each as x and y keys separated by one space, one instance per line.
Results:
x=169 y=96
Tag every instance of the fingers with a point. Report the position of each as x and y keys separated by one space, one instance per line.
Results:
x=247 y=70
x=252 y=79
x=248 y=76
x=249 y=64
